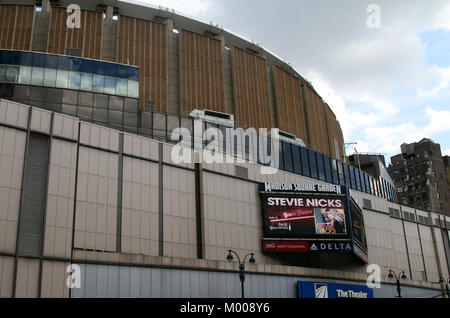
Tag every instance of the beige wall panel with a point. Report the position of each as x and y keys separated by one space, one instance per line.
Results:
x=54 y=280
x=6 y=276
x=27 y=278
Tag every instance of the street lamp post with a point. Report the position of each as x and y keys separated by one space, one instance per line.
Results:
x=446 y=282
x=402 y=275
x=241 y=266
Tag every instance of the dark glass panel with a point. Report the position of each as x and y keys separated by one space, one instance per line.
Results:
x=100 y=101
x=320 y=166
x=69 y=109
x=130 y=105
x=305 y=162
x=64 y=63
x=85 y=112
x=86 y=99
x=115 y=117
x=39 y=60
x=327 y=163
x=54 y=95
x=22 y=93
x=51 y=61
x=116 y=103
x=130 y=119
x=296 y=159
x=312 y=163
x=287 y=156
x=70 y=97
x=38 y=94
x=100 y=115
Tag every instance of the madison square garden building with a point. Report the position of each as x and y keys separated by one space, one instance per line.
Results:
x=88 y=175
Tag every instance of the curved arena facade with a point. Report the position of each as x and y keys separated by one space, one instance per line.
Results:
x=89 y=105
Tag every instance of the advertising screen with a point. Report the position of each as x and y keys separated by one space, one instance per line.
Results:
x=359 y=231
x=304 y=216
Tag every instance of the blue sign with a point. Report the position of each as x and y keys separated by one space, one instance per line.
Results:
x=326 y=290
x=330 y=246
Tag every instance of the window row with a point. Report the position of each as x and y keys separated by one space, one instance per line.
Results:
x=69 y=63
x=292 y=158
x=47 y=77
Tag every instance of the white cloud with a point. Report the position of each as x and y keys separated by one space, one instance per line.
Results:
x=446 y=152
x=192 y=7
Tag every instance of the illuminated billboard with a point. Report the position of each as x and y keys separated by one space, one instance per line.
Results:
x=311 y=218
x=305 y=216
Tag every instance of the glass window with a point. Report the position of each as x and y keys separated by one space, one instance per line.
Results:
x=62 y=79
x=98 y=83
x=100 y=101
x=347 y=175
x=121 y=87
x=54 y=95
x=313 y=163
x=133 y=89
x=51 y=61
x=39 y=60
x=85 y=112
x=74 y=80
x=305 y=162
x=115 y=117
x=116 y=103
x=130 y=119
x=281 y=158
x=86 y=82
x=357 y=179
x=366 y=179
x=341 y=173
x=37 y=76
x=146 y=123
x=159 y=126
x=24 y=75
x=12 y=74
x=50 y=77
x=334 y=171
x=38 y=94
x=110 y=86
x=287 y=154
x=130 y=105
x=22 y=93
x=100 y=115
x=69 y=109
x=2 y=73
x=26 y=59
x=85 y=99
x=70 y=97
x=64 y=63
x=296 y=159
x=320 y=166
x=352 y=177
x=328 y=175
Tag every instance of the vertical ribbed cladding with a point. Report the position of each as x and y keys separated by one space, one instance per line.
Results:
x=316 y=121
x=201 y=72
x=16 y=22
x=88 y=37
x=289 y=103
x=143 y=44
x=251 y=90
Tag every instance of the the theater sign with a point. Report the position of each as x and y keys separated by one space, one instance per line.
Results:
x=311 y=218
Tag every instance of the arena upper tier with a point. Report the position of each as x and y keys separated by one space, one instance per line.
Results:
x=184 y=64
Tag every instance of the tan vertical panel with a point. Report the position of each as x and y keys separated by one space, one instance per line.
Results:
x=54 y=277
x=22 y=34
x=6 y=276
x=27 y=278
x=7 y=18
x=57 y=32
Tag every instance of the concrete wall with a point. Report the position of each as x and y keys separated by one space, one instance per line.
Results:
x=118 y=199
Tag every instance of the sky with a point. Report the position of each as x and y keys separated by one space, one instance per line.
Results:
x=383 y=66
